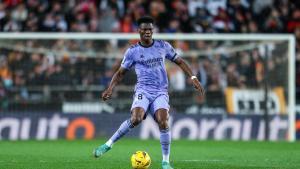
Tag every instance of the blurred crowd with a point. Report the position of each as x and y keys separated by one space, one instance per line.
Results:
x=241 y=16
x=19 y=69
x=217 y=67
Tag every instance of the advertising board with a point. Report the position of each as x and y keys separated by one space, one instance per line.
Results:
x=41 y=126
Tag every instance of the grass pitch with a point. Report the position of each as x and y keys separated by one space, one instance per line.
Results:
x=185 y=154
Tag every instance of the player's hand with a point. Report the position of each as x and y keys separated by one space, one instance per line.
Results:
x=107 y=94
x=198 y=86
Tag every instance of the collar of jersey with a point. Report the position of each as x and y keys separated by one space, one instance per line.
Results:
x=146 y=46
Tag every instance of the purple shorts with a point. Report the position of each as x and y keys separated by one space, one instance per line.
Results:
x=150 y=102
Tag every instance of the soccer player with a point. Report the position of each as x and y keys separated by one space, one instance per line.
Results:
x=151 y=90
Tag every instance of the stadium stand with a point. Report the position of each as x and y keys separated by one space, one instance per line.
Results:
x=27 y=77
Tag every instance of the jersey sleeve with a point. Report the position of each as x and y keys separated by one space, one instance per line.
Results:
x=127 y=61
x=170 y=52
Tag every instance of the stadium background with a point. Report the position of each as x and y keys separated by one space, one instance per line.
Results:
x=39 y=90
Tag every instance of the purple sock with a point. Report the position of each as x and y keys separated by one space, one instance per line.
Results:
x=123 y=129
x=165 y=141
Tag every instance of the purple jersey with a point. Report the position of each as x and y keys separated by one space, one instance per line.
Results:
x=149 y=65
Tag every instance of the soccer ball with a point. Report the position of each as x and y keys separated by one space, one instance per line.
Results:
x=140 y=160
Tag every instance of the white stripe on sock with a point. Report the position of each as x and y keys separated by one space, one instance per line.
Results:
x=166 y=157
x=109 y=143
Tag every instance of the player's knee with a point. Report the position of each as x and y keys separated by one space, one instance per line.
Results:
x=136 y=120
x=163 y=124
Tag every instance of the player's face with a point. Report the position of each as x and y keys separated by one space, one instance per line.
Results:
x=146 y=31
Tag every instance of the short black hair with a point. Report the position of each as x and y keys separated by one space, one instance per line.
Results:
x=145 y=19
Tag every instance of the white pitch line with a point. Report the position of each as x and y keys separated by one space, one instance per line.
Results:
x=213 y=160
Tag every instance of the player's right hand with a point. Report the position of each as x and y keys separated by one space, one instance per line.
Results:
x=106 y=94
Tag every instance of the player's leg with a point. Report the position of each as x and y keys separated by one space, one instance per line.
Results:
x=138 y=110
x=136 y=118
x=161 y=107
x=162 y=118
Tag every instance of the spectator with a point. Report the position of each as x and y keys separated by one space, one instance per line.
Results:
x=221 y=22
x=194 y=5
x=273 y=22
x=202 y=21
x=233 y=76
x=3 y=97
x=259 y=67
x=214 y=6
x=5 y=73
x=109 y=21
x=126 y=24
x=177 y=78
x=247 y=69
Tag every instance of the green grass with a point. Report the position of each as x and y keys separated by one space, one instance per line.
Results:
x=184 y=154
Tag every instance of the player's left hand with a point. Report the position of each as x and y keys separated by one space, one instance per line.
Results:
x=198 y=86
x=107 y=94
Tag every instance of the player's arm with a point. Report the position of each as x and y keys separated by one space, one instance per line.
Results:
x=187 y=70
x=126 y=64
x=117 y=78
